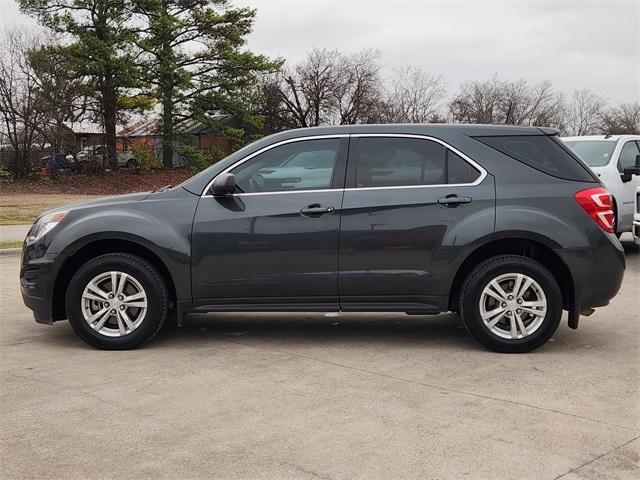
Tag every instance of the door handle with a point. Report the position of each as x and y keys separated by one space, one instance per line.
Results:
x=315 y=210
x=453 y=200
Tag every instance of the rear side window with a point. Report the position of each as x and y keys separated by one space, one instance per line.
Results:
x=540 y=152
x=458 y=170
x=399 y=161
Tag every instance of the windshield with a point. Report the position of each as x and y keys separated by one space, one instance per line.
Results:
x=595 y=152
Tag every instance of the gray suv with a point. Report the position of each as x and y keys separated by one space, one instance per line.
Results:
x=504 y=225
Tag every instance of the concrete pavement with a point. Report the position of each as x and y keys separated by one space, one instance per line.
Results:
x=13 y=232
x=307 y=396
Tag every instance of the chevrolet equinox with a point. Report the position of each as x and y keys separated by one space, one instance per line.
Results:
x=503 y=225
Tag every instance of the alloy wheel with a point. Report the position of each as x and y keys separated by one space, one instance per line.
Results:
x=114 y=304
x=513 y=306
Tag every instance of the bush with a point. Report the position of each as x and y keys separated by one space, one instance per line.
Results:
x=198 y=159
x=147 y=160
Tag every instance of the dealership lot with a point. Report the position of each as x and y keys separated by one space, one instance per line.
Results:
x=315 y=396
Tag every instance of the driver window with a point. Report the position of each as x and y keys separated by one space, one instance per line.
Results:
x=303 y=165
x=628 y=156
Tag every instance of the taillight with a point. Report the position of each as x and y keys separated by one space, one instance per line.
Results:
x=598 y=203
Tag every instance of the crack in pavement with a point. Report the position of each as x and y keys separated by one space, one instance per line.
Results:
x=436 y=387
x=597 y=458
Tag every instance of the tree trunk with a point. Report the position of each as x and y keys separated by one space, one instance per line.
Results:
x=167 y=129
x=110 y=108
x=166 y=69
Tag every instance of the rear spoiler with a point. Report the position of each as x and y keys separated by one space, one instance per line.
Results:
x=549 y=131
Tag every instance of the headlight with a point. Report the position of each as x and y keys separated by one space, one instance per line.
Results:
x=44 y=225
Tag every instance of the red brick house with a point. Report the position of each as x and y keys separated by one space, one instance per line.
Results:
x=146 y=133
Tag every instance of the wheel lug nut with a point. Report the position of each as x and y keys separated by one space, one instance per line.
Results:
x=113 y=312
x=111 y=295
x=120 y=297
x=519 y=301
x=518 y=311
x=509 y=313
x=121 y=307
x=510 y=297
x=503 y=304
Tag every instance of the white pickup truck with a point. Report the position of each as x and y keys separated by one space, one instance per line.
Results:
x=616 y=161
x=636 y=219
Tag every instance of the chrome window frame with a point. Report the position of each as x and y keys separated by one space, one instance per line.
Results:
x=466 y=158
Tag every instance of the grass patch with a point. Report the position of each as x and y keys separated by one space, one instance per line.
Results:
x=4 y=244
x=19 y=209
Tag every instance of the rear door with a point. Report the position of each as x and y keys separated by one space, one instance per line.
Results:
x=412 y=207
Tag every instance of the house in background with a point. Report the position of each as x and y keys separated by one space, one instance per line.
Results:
x=84 y=133
x=146 y=133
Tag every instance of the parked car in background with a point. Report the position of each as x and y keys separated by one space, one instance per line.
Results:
x=502 y=224
x=98 y=153
x=616 y=161
x=636 y=219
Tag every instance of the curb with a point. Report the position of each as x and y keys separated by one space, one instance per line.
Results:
x=9 y=252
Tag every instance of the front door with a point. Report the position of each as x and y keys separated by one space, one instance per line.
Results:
x=275 y=242
x=626 y=199
x=411 y=209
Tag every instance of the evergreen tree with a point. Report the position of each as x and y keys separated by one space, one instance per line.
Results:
x=193 y=57
x=100 y=42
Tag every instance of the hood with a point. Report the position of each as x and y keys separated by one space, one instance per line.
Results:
x=98 y=202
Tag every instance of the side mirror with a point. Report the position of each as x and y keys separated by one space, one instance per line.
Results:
x=628 y=172
x=224 y=184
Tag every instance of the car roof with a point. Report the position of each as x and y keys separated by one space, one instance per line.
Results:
x=610 y=138
x=420 y=128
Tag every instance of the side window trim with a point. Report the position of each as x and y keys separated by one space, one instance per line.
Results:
x=206 y=194
x=351 y=168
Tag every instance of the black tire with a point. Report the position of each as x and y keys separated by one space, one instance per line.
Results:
x=490 y=269
x=132 y=165
x=145 y=274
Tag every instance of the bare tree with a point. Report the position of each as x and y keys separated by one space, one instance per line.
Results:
x=507 y=102
x=524 y=105
x=478 y=102
x=625 y=119
x=21 y=119
x=358 y=89
x=415 y=96
x=308 y=90
x=583 y=113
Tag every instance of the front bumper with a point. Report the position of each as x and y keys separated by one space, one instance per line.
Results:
x=37 y=279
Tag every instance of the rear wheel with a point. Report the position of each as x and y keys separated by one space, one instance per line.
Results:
x=511 y=303
x=116 y=301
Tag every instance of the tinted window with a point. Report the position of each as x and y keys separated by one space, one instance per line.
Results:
x=542 y=153
x=383 y=162
x=628 y=156
x=595 y=152
x=304 y=165
x=460 y=171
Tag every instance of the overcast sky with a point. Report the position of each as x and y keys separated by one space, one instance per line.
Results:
x=575 y=44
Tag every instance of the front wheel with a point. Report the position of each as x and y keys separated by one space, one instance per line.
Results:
x=132 y=165
x=511 y=304
x=116 y=301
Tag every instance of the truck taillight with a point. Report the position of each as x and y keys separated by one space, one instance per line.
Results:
x=598 y=203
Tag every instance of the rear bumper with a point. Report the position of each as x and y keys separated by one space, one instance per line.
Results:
x=597 y=271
